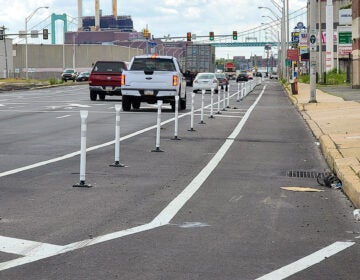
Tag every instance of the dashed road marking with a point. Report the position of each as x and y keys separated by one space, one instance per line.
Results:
x=63 y=116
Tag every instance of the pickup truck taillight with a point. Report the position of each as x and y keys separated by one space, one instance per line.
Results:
x=175 y=80
x=122 y=80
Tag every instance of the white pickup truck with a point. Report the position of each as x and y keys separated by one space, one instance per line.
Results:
x=151 y=78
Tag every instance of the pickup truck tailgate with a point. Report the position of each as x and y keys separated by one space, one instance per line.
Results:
x=143 y=80
x=105 y=79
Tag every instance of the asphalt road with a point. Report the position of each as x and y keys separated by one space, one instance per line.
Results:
x=210 y=206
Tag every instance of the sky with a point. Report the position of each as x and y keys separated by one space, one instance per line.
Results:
x=163 y=17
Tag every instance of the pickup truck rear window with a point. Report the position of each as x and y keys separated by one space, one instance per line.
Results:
x=109 y=67
x=153 y=64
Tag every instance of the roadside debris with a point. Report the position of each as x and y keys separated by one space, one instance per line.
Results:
x=301 y=189
x=329 y=180
x=357 y=214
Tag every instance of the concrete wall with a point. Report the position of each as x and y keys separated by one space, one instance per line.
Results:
x=48 y=61
x=6 y=58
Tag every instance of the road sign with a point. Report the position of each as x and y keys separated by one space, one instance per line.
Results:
x=293 y=54
x=312 y=40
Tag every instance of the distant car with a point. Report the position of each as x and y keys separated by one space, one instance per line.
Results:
x=205 y=81
x=258 y=74
x=242 y=77
x=223 y=80
x=274 y=75
x=68 y=74
x=250 y=75
x=83 y=76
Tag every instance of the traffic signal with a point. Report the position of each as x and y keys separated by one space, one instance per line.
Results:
x=234 y=35
x=146 y=33
x=45 y=34
x=2 y=34
x=188 y=36
x=211 y=36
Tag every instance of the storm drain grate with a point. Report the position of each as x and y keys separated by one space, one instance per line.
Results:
x=302 y=174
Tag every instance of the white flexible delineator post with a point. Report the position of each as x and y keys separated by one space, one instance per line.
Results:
x=158 y=127
x=192 y=112
x=84 y=116
x=117 y=138
x=212 y=103
x=176 y=119
x=202 y=107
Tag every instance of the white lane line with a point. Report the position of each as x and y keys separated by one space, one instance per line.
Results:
x=307 y=261
x=26 y=247
x=163 y=218
x=63 y=116
x=79 y=105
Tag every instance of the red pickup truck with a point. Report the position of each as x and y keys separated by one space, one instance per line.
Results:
x=105 y=79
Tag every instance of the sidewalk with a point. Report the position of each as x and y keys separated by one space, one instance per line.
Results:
x=336 y=123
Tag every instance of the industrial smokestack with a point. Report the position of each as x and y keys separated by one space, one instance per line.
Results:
x=79 y=2
x=114 y=8
x=97 y=15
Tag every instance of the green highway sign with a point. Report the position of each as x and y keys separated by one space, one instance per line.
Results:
x=345 y=38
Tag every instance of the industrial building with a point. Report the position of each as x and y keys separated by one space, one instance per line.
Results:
x=102 y=29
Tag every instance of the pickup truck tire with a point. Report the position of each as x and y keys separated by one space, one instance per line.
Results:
x=182 y=103
x=135 y=104
x=102 y=96
x=126 y=103
x=93 y=95
x=172 y=104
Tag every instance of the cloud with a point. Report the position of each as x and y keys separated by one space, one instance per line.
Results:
x=168 y=11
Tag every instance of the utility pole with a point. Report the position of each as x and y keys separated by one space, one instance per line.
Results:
x=3 y=35
x=320 y=40
x=356 y=44
x=312 y=39
x=329 y=36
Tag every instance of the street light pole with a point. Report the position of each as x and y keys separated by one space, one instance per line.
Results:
x=26 y=40
x=283 y=67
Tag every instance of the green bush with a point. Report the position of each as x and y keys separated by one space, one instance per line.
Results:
x=53 y=81
x=334 y=78
x=304 y=79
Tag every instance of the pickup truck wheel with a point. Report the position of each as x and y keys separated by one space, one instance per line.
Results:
x=102 y=96
x=126 y=103
x=93 y=95
x=135 y=104
x=172 y=103
x=182 y=103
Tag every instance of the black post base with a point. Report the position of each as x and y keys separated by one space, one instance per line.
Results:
x=82 y=185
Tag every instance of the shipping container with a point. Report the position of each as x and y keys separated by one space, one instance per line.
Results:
x=199 y=58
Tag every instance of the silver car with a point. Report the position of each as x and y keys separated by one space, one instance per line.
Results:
x=206 y=81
